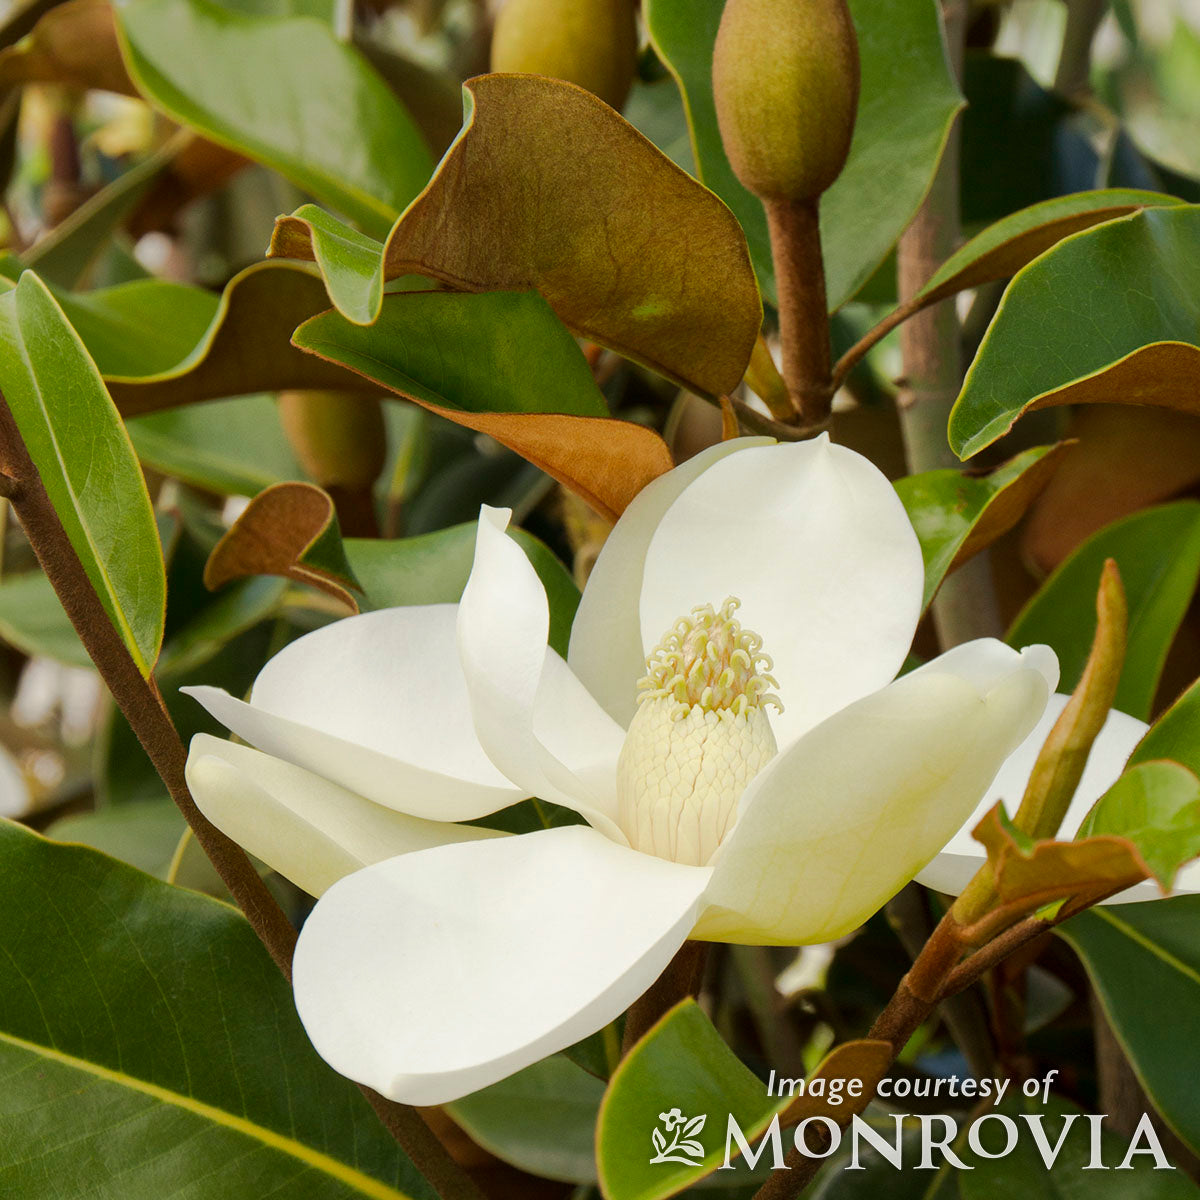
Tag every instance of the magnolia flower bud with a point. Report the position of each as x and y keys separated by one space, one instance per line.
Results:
x=785 y=81
x=592 y=43
x=339 y=438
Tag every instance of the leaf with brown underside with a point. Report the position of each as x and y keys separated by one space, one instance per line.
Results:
x=1029 y=874
x=289 y=530
x=74 y=44
x=867 y=1060
x=500 y=363
x=247 y=348
x=1127 y=459
x=547 y=188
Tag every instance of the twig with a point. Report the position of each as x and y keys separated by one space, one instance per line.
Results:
x=139 y=700
x=803 y=315
x=682 y=978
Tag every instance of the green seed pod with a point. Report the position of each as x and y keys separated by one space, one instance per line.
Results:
x=339 y=438
x=589 y=42
x=785 y=80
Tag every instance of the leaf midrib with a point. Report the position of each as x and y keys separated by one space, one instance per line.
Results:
x=373 y=1188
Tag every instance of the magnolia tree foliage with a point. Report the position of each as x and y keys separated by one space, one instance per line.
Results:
x=639 y=638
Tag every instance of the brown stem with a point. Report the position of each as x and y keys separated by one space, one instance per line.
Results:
x=136 y=696
x=681 y=979
x=139 y=700
x=873 y=337
x=1011 y=940
x=964 y=1015
x=914 y=1001
x=803 y=313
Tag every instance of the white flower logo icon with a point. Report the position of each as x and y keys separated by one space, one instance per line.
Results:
x=683 y=1147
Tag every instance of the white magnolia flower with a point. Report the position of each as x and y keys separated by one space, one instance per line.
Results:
x=772 y=786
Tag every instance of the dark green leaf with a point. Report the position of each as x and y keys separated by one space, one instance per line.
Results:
x=1156 y=805
x=1158 y=554
x=1108 y=315
x=83 y=454
x=149 y=1047
x=1144 y=962
x=491 y=352
x=542 y=1120
x=33 y=620
x=957 y=515
x=232 y=447
x=283 y=91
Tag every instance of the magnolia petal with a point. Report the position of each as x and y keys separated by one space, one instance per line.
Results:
x=606 y=651
x=435 y=974
x=832 y=578
x=533 y=718
x=376 y=703
x=309 y=830
x=962 y=856
x=841 y=820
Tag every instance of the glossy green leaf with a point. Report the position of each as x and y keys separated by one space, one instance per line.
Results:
x=500 y=363
x=234 y=610
x=956 y=515
x=33 y=620
x=231 y=447
x=1158 y=554
x=245 y=348
x=141 y=327
x=1156 y=805
x=906 y=105
x=547 y=188
x=83 y=454
x=434 y=568
x=491 y=352
x=1108 y=315
x=682 y=1063
x=1005 y=247
x=1175 y=735
x=350 y=262
x=149 y=1047
x=283 y=91
x=541 y=1120
x=1144 y=962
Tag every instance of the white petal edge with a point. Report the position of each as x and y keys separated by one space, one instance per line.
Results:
x=376 y=703
x=962 y=856
x=839 y=822
x=309 y=830
x=606 y=651
x=814 y=541
x=533 y=718
x=433 y=975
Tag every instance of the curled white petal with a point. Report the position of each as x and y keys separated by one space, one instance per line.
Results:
x=534 y=719
x=311 y=831
x=841 y=820
x=435 y=974
x=376 y=703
